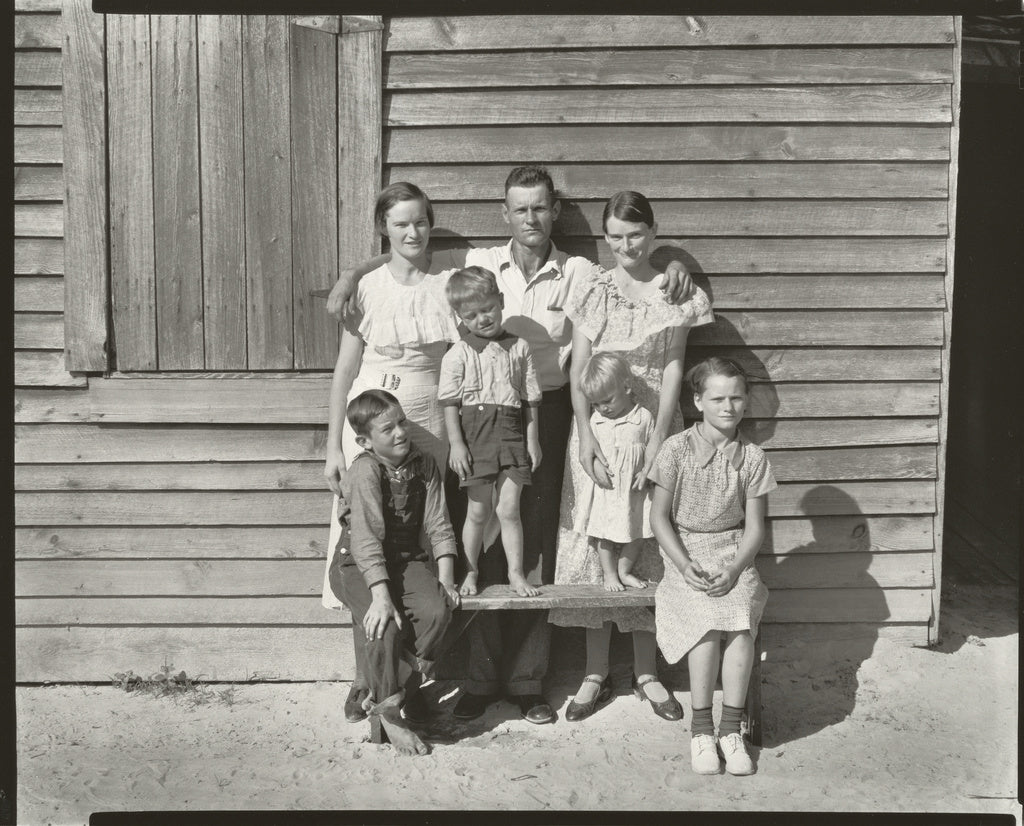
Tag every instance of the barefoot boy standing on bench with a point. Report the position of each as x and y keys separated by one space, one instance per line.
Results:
x=395 y=496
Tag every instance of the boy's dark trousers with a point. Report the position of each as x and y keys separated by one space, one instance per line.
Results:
x=425 y=610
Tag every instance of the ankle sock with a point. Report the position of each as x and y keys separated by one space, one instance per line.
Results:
x=730 y=723
x=702 y=722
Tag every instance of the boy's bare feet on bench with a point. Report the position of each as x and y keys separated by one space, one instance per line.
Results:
x=517 y=582
x=468 y=586
x=612 y=582
x=631 y=581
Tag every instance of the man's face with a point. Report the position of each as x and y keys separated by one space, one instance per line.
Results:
x=530 y=214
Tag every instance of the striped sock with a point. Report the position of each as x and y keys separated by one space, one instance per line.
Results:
x=702 y=722
x=730 y=723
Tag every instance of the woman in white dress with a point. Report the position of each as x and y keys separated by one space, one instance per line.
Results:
x=394 y=341
x=621 y=311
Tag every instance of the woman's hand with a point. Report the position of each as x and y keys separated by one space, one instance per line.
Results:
x=642 y=477
x=696 y=577
x=461 y=461
x=594 y=463
x=722 y=583
x=675 y=283
x=334 y=470
x=535 y=453
x=453 y=593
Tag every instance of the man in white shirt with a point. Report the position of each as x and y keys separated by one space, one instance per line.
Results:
x=509 y=649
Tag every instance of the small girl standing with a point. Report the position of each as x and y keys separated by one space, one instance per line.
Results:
x=618 y=518
x=708 y=517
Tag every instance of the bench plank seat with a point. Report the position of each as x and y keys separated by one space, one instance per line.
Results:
x=502 y=597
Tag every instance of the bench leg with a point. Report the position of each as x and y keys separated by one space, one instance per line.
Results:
x=753 y=710
x=377 y=733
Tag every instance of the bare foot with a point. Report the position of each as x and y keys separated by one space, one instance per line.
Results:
x=401 y=736
x=519 y=584
x=631 y=581
x=468 y=586
x=612 y=583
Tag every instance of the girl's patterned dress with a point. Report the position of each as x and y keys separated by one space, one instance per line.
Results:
x=406 y=331
x=710 y=488
x=619 y=514
x=640 y=332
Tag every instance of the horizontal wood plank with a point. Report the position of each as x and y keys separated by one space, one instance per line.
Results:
x=39 y=220
x=792 y=179
x=834 y=640
x=40 y=331
x=304 y=577
x=815 y=499
x=735 y=217
x=214 y=653
x=226 y=443
x=764 y=255
x=826 y=292
x=909 y=462
x=37 y=68
x=668 y=67
x=62 y=443
x=245 y=611
x=174 y=508
x=789 y=104
x=265 y=542
x=43 y=369
x=837 y=605
x=807 y=364
x=915 y=328
x=37 y=31
x=38 y=183
x=798 y=605
x=509 y=144
x=852 y=533
x=38 y=144
x=42 y=294
x=37 y=5
x=176 y=476
x=573 y=31
x=38 y=107
x=305 y=399
x=290 y=507
x=38 y=256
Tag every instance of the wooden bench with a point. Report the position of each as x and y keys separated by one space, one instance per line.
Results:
x=503 y=598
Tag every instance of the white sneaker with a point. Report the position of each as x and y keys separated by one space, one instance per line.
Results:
x=704 y=755
x=737 y=761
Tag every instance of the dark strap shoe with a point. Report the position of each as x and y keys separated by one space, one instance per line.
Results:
x=415 y=709
x=534 y=708
x=669 y=709
x=581 y=711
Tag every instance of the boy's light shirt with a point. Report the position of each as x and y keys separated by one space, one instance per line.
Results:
x=498 y=371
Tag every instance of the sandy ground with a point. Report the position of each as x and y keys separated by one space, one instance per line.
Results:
x=896 y=729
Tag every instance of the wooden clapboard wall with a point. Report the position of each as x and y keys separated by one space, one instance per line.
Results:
x=806 y=178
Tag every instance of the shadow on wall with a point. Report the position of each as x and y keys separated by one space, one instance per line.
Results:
x=583 y=237
x=825 y=656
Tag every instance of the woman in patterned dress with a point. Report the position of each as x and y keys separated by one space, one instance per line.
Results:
x=708 y=516
x=394 y=341
x=621 y=311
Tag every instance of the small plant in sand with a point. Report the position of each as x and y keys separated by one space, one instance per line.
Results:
x=165 y=683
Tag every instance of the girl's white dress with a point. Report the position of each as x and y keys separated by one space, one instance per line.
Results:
x=710 y=488
x=618 y=514
x=406 y=331
x=640 y=332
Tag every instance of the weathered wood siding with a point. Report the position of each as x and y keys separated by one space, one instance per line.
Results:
x=801 y=165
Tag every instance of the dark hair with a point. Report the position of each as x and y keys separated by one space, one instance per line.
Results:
x=393 y=194
x=529 y=176
x=470 y=284
x=698 y=375
x=628 y=206
x=366 y=407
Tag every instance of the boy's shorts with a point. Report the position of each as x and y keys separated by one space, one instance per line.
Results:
x=497 y=442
